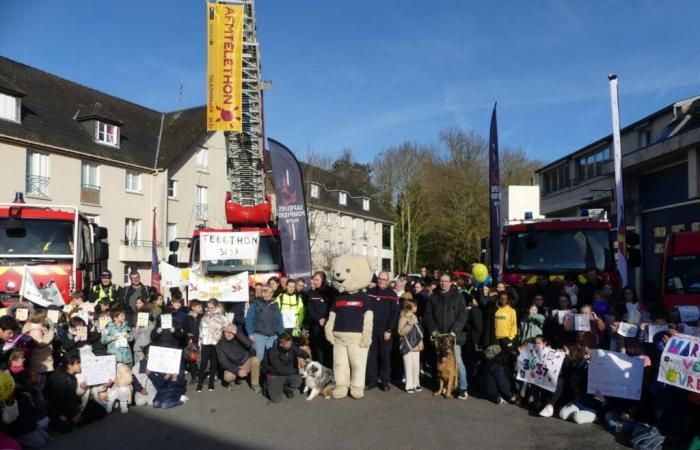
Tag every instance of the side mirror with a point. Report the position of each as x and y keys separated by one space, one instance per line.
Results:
x=101 y=233
x=173 y=246
x=172 y=259
x=102 y=251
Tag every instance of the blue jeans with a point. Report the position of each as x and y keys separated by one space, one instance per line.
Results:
x=461 y=368
x=166 y=404
x=262 y=343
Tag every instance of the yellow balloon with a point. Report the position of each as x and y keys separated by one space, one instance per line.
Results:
x=480 y=272
x=7 y=386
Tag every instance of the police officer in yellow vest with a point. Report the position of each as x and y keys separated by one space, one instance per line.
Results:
x=104 y=290
x=292 y=308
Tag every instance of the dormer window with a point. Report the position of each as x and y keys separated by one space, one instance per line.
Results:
x=107 y=133
x=343 y=198
x=9 y=107
x=315 y=190
x=365 y=204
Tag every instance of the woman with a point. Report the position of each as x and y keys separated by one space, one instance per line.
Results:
x=505 y=318
x=532 y=325
x=210 y=329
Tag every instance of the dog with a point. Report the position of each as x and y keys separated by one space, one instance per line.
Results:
x=317 y=380
x=303 y=343
x=446 y=365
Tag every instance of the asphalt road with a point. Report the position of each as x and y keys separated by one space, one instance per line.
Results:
x=383 y=420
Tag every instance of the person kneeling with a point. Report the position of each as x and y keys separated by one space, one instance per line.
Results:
x=280 y=367
x=171 y=388
x=234 y=354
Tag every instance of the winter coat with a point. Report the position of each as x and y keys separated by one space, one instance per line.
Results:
x=406 y=323
x=446 y=312
x=123 y=354
x=165 y=337
x=211 y=326
x=474 y=328
x=531 y=327
x=142 y=338
x=168 y=390
x=71 y=347
x=281 y=362
x=190 y=328
x=62 y=396
x=233 y=353
x=41 y=359
x=264 y=318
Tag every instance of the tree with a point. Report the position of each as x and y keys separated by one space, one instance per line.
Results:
x=355 y=175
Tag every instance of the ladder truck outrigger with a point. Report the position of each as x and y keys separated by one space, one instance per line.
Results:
x=248 y=207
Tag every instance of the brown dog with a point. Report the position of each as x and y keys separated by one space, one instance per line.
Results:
x=446 y=365
x=303 y=343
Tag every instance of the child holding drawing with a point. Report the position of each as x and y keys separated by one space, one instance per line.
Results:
x=117 y=336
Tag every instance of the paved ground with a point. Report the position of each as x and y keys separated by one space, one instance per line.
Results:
x=240 y=419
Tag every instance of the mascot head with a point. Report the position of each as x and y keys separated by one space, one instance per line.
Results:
x=350 y=273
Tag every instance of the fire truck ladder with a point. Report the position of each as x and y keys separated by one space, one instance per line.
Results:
x=245 y=150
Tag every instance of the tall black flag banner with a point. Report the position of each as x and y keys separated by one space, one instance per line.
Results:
x=291 y=211
x=495 y=200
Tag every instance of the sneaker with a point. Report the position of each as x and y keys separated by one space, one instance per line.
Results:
x=184 y=398
x=289 y=393
x=257 y=389
x=499 y=400
x=547 y=411
x=199 y=388
x=410 y=391
x=462 y=395
x=211 y=389
x=418 y=389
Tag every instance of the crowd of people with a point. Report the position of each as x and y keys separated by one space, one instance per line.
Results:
x=261 y=342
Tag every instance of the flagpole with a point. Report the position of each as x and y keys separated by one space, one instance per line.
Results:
x=494 y=200
x=619 y=189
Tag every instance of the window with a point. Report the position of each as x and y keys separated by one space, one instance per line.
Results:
x=171 y=232
x=591 y=165
x=339 y=220
x=327 y=218
x=202 y=160
x=172 y=188
x=107 y=133
x=343 y=198
x=644 y=137
x=354 y=225
x=557 y=178
x=364 y=250
x=132 y=231
x=37 y=182
x=200 y=204
x=375 y=251
x=127 y=271
x=354 y=249
x=339 y=248
x=133 y=181
x=315 y=190
x=386 y=237
x=9 y=107
x=365 y=204
x=90 y=177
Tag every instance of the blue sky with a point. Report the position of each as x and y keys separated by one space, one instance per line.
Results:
x=370 y=74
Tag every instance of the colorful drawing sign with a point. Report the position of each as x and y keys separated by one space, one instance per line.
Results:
x=540 y=366
x=680 y=362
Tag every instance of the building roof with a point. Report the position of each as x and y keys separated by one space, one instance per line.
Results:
x=607 y=139
x=330 y=185
x=54 y=111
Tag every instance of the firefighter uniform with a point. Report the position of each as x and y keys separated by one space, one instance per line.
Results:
x=292 y=304
x=101 y=292
x=385 y=304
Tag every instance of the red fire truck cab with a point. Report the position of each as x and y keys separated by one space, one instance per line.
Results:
x=55 y=243
x=681 y=270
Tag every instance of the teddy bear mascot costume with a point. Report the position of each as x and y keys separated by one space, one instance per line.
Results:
x=349 y=325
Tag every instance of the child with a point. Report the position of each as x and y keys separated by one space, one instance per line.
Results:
x=142 y=334
x=156 y=305
x=75 y=338
x=179 y=313
x=16 y=361
x=601 y=306
x=571 y=288
x=531 y=326
x=170 y=337
x=411 y=359
x=170 y=387
x=210 y=329
x=117 y=336
x=144 y=389
x=505 y=321
x=41 y=359
x=499 y=388
x=190 y=331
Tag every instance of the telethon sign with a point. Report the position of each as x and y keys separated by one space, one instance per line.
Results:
x=229 y=245
x=224 y=67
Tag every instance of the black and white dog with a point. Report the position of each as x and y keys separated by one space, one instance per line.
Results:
x=317 y=379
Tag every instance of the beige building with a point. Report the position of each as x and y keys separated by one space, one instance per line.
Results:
x=66 y=144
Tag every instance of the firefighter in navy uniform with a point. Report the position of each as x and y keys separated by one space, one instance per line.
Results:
x=104 y=290
x=385 y=304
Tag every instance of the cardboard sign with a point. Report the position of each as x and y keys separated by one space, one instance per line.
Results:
x=228 y=246
x=164 y=360
x=680 y=363
x=121 y=341
x=53 y=315
x=172 y=277
x=98 y=369
x=88 y=308
x=166 y=321
x=653 y=329
x=687 y=329
x=627 y=329
x=21 y=314
x=225 y=289
x=540 y=366
x=563 y=313
x=582 y=322
x=615 y=374
x=104 y=321
x=81 y=333
x=289 y=318
x=142 y=319
x=689 y=313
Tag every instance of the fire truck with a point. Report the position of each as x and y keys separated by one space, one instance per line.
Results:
x=247 y=206
x=681 y=270
x=556 y=247
x=55 y=243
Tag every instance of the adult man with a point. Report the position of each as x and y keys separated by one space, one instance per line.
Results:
x=135 y=290
x=264 y=322
x=386 y=317
x=104 y=290
x=280 y=367
x=318 y=303
x=233 y=351
x=446 y=312
x=292 y=308
x=425 y=278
